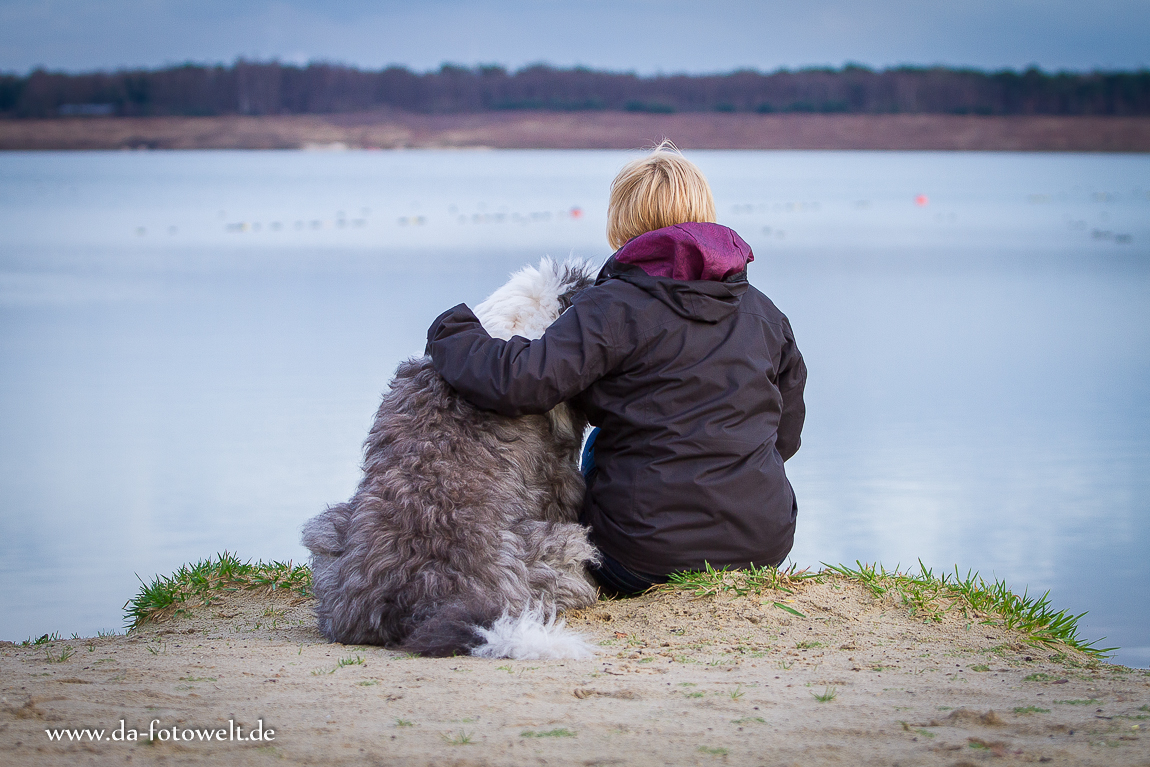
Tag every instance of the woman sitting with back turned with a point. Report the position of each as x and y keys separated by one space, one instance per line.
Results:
x=692 y=376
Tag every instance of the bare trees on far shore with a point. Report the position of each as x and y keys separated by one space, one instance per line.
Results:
x=272 y=88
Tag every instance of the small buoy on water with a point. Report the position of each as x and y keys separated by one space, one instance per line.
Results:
x=576 y=212
x=921 y=200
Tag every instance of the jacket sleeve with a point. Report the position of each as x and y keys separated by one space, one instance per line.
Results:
x=792 y=380
x=518 y=376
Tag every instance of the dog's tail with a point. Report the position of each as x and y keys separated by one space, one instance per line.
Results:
x=531 y=636
x=452 y=629
x=488 y=633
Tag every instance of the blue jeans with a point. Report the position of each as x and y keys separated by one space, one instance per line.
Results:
x=614 y=578
x=587 y=460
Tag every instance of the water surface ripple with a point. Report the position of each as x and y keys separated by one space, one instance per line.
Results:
x=192 y=346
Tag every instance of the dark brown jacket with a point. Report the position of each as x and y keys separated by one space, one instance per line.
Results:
x=698 y=389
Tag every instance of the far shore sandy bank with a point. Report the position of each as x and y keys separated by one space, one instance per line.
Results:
x=585 y=130
x=824 y=673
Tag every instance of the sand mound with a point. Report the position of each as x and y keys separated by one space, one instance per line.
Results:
x=822 y=673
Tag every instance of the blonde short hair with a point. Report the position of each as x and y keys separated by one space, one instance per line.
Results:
x=662 y=189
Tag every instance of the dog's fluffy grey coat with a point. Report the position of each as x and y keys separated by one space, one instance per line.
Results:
x=462 y=515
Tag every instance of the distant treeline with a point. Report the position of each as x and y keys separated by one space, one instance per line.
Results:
x=273 y=89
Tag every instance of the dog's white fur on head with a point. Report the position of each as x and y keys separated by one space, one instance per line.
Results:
x=528 y=302
x=525 y=305
x=463 y=534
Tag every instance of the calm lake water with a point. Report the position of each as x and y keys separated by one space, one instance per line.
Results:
x=192 y=346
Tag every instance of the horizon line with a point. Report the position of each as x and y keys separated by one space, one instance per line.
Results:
x=480 y=67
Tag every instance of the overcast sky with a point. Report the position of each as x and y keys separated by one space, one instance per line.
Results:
x=644 y=36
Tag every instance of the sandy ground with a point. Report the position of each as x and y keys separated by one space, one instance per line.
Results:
x=679 y=680
x=585 y=130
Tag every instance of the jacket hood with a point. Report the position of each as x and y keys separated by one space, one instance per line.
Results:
x=691 y=251
x=698 y=270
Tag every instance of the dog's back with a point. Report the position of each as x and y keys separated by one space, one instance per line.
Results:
x=462 y=516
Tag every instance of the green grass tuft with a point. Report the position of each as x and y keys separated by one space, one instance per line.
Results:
x=64 y=655
x=828 y=695
x=931 y=596
x=753 y=580
x=560 y=732
x=167 y=596
x=462 y=739
x=925 y=595
x=790 y=610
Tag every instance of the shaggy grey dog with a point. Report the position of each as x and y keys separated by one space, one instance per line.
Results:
x=462 y=534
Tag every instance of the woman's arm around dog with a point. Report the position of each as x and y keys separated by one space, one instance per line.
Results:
x=517 y=376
